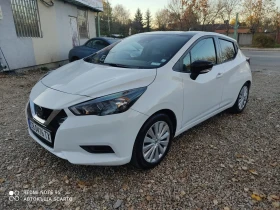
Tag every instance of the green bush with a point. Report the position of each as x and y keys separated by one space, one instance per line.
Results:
x=263 y=41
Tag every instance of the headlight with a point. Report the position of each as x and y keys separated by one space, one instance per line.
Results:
x=110 y=104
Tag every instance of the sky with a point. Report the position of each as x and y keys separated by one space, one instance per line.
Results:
x=143 y=5
x=153 y=5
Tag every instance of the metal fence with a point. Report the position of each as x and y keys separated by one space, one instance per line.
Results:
x=26 y=18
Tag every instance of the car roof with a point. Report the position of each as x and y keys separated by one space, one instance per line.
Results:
x=191 y=33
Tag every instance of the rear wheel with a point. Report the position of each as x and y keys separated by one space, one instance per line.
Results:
x=242 y=99
x=153 y=142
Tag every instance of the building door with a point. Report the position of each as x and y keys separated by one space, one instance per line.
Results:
x=74 y=32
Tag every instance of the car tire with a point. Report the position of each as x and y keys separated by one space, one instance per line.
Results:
x=152 y=142
x=242 y=100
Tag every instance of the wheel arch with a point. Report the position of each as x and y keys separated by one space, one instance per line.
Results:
x=171 y=115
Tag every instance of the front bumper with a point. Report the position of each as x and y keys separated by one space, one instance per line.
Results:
x=117 y=131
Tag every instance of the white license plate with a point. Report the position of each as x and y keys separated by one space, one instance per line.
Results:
x=40 y=131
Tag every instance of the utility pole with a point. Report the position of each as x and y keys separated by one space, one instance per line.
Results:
x=98 y=24
x=236 y=26
x=108 y=17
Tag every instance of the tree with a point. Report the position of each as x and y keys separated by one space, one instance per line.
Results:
x=256 y=11
x=121 y=21
x=138 y=24
x=105 y=18
x=148 y=20
x=230 y=7
x=121 y=14
x=162 y=19
x=176 y=8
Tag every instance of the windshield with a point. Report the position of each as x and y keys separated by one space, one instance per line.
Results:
x=141 y=51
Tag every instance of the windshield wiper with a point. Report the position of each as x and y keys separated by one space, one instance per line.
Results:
x=121 y=65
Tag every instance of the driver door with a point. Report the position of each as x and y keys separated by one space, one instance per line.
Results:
x=202 y=96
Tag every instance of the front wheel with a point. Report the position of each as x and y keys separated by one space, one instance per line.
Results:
x=242 y=99
x=153 y=142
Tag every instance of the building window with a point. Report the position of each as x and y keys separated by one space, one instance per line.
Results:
x=26 y=18
x=83 y=23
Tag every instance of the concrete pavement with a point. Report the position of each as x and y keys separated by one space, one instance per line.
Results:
x=263 y=60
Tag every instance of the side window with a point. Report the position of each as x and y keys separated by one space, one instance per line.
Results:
x=227 y=50
x=89 y=43
x=97 y=44
x=203 y=51
x=187 y=63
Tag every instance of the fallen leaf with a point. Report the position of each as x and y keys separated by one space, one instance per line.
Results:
x=149 y=198
x=276 y=204
x=183 y=193
x=239 y=156
x=81 y=184
x=125 y=187
x=256 y=197
x=273 y=197
x=226 y=208
x=2 y=180
x=254 y=172
x=273 y=164
x=223 y=166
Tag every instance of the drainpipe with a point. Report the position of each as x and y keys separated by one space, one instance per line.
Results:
x=98 y=25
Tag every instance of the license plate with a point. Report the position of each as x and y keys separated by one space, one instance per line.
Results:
x=40 y=131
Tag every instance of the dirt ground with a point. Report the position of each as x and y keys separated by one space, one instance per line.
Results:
x=228 y=162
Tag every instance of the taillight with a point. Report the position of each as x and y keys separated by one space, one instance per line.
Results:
x=248 y=60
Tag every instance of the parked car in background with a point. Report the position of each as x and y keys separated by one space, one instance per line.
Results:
x=90 y=47
x=127 y=102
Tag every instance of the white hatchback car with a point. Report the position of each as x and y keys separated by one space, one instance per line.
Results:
x=128 y=101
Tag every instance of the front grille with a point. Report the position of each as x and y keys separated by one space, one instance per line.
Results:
x=52 y=127
x=42 y=112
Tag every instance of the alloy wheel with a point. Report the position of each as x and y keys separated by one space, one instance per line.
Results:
x=243 y=97
x=156 y=142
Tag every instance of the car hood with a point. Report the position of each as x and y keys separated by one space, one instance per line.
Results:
x=92 y=80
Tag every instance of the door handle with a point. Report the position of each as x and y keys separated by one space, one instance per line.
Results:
x=219 y=75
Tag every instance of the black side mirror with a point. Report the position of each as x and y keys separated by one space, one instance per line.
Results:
x=200 y=67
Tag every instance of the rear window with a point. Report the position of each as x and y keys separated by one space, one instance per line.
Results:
x=227 y=50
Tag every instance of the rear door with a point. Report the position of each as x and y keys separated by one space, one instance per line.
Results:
x=232 y=70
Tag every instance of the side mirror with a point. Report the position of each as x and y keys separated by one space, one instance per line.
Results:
x=200 y=67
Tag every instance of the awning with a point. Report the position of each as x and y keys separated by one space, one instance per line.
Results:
x=95 y=5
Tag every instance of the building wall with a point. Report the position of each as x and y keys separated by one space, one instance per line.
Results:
x=46 y=47
x=55 y=42
x=17 y=50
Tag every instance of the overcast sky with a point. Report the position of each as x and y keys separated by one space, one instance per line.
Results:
x=132 y=5
x=153 y=5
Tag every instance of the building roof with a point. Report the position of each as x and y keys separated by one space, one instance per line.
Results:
x=95 y=5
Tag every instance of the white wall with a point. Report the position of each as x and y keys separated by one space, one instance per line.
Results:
x=17 y=50
x=55 y=22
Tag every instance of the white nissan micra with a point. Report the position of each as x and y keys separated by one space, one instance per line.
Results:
x=125 y=103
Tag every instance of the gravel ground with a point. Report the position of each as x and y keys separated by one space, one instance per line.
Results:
x=227 y=162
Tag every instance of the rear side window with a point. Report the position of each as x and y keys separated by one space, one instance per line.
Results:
x=227 y=50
